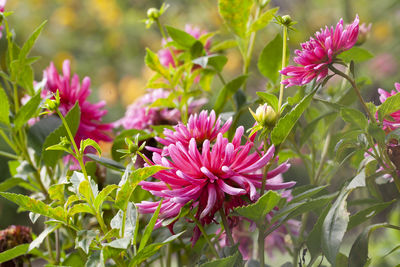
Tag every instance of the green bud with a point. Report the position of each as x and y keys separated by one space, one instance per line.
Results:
x=287 y=20
x=153 y=13
x=265 y=115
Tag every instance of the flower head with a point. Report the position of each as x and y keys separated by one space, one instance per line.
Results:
x=2 y=5
x=215 y=173
x=394 y=122
x=319 y=52
x=72 y=91
x=10 y=238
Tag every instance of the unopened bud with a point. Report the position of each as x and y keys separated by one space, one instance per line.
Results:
x=363 y=33
x=265 y=115
x=153 y=13
x=287 y=20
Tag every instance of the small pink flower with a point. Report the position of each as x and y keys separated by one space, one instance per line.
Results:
x=214 y=173
x=319 y=52
x=140 y=116
x=72 y=91
x=2 y=5
x=394 y=122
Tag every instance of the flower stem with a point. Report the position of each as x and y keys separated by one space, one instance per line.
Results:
x=8 y=155
x=261 y=245
x=284 y=48
x=356 y=89
x=203 y=231
x=226 y=227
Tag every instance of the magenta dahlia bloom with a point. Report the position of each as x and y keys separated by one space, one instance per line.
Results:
x=140 y=116
x=319 y=52
x=2 y=5
x=214 y=173
x=394 y=123
x=72 y=91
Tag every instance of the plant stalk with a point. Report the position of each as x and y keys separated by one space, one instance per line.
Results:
x=284 y=48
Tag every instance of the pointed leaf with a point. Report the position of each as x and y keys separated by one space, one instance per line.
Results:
x=227 y=92
x=149 y=228
x=264 y=19
x=236 y=14
x=36 y=243
x=4 y=108
x=13 y=253
x=27 y=111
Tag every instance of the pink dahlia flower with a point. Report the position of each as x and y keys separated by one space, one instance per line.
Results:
x=2 y=5
x=394 y=123
x=165 y=55
x=319 y=52
x=215 y=174
x=140 y=116
x=72 y=91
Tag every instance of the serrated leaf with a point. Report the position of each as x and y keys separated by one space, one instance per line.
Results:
x=36 y=206
x=286 y=124
x=354 y=117
x=391 y=104
x=153 y=62
x=236 y=14
x=27 y=47
x=4 y=107
x=48 y=230
x=356 y=54
x=10 y=183
x=264 y=19
x=257 y=211
x=227 y=92
x=270 y=60
x=334 y=227
x=27 y=111
x=56 y=192
x=50 y=158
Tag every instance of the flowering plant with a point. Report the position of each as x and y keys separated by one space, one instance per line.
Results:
x=194 y=176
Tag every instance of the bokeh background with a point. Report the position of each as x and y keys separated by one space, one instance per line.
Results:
x=106 y=40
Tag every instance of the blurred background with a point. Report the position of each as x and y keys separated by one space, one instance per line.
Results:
x=106 y=40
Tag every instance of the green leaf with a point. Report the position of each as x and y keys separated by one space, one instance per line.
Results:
x=286 y=124
x=144 y=173
x=391 y=104
x=96 y=259
x=314 y=237
x=80 y=208
x=263 y=20
x=356 y=54
x=307 y=193
x=131 y=218
x=197 y=50
x=27 y=111
x=227 y=92
x=119 y=141
x=270 y=99
x=310 y=128
x=224 y=262
x=334 y=227
x=359 y=251
x=367 y=214
x=10 y=183
x=181 y=37
x=150 y=250
x=257 y=211
x=56 y=192
x=224 y=45
x=51 y=157
x=4 y=107
x=101 y=197
x=36 y=206
x=48 y=230
x=270 y=60
x=89 y=142
x=236 y=14
x=84 y=238
x=149 y=228
x=354 y=117
x=376 y=132
x=27 y=47
x=14 y=252
x=152 y=61
x=217 y=62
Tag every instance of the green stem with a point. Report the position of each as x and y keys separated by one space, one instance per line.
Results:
x=8 y=155
x=356 y=89
x=265 y=173
x=284 y=48
x=226 y=227
x=324 y=155
x=201 y=228
x=261 y=245
x=78 y=155
x=8 y=141
x=166 y=40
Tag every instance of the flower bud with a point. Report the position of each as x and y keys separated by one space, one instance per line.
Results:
x=287 y=20
x=53 y=104
x=363 y=33
x=153 y=13
x=265 y=115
